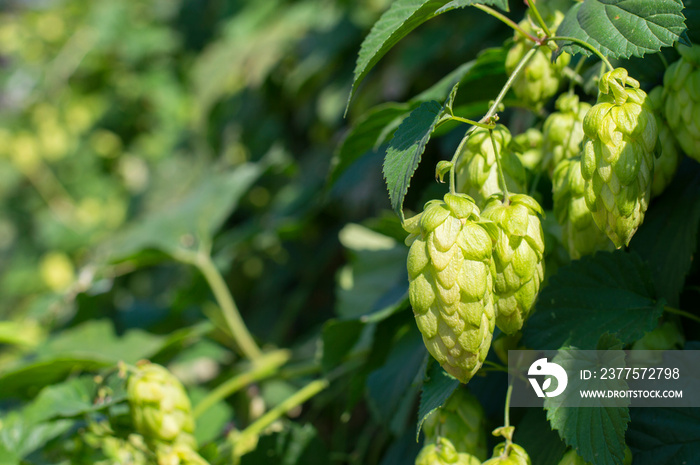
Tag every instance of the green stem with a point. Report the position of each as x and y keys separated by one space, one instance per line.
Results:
x=585 y=44
x=472 y=122
x=538 y=17
x=500 y=16
x=680 y=312
x=263 y=368
x=506 y=419
x=663 y=60
x=499 y=167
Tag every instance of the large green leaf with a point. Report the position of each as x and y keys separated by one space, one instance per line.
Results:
x=623 y=28
x=20 y=437
x=438 y=386
x=665 y=436
x=668 y=237
x=607 y=293
x=401 y=18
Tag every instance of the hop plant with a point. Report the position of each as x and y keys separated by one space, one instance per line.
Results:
x=477 y=170
x=563 y=131
x=618 y=156
x=528 y=147
x=580 y=234
x=450 y=284
x=512 y=454
x=667 y=149
x=160 y=408
x=517 y=257
x=443 y=452
x=539 y=80
x=462 y=420
x=681 y=97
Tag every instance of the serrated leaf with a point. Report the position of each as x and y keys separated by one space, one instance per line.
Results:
x=668 y=237
x=71 y=398
x=438 y=386
x=623 y=28
x=609 y=292
x=665 y=436
x=597 y=433
x=401 y=18
x=406 y=149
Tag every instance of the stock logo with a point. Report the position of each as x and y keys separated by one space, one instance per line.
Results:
x=542 y=367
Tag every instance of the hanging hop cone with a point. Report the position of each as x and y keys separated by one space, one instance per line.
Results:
x=160 y=408
x=563 y=131
x=539 y=80
x=443 y=452
x=667 y=149
x=450 y=284
x=618 y=156
x=462 y=420
x=477 y=170
x=580 y=235
x=517 y=257
x=515 y=455
x=528 y=147
x=682 y=100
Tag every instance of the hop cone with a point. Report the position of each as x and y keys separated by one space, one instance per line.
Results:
x=682 y=100
x=515 y=455
x=528 y=147
x=461 y=420
x=667 y=149
x=444 y=453
x=160 y=408
x=539 y=80
x=179 y=454
x=618 y=157
x=450 y=285
x=563 y=130
x=580 y=235
x=477 y=170
x=517 y=258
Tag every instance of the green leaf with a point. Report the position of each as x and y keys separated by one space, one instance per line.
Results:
x=542 y=443
x=438 y=386
x=68 y=399
x=20 y=437
x=406 y=149
x=27 y=380
x=339 y=337
x=401 y=18
x=665 y=436
x=668 y=238
x=295 y=445
x=623 y=28
x=609 y=292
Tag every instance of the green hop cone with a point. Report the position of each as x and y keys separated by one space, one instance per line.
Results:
x=477 y=170
x=618 y=156
x=450 y=284
x=512 y=455
x=160 y=408
x=442 y=452
x=539 y=80
x=681 y=97
x=178 y=454
x=461 y=419
x=580 y=234
x=517 y=257
x=528 y=147
x=563 y=131
x=667 y=150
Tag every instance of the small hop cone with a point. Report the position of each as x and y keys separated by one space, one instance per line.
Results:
x=528 y=147
x=442 y=452
x=450 y=284
x=618 y=156
x=681 y=95
x=580 y=234
x=515 y=455
x=477 y=170
x=461 y=419
x=563 y=131
x=667 y=150
x=539 y=80
x=160 y=408
x=517 y=257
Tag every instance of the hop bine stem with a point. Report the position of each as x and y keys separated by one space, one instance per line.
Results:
x=538 y=17
x=584 y=44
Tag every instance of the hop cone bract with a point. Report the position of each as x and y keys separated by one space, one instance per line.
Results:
x=443 y=452
x=667 y=150
x=462 y=420
x=477 y=170
x=517 y=257
x=528 y=147
x=450 y=284
x=563 y=130
x=160 y=408
x=618 y=157
x=682 y=99
x=515 y=455
x=580 y=234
